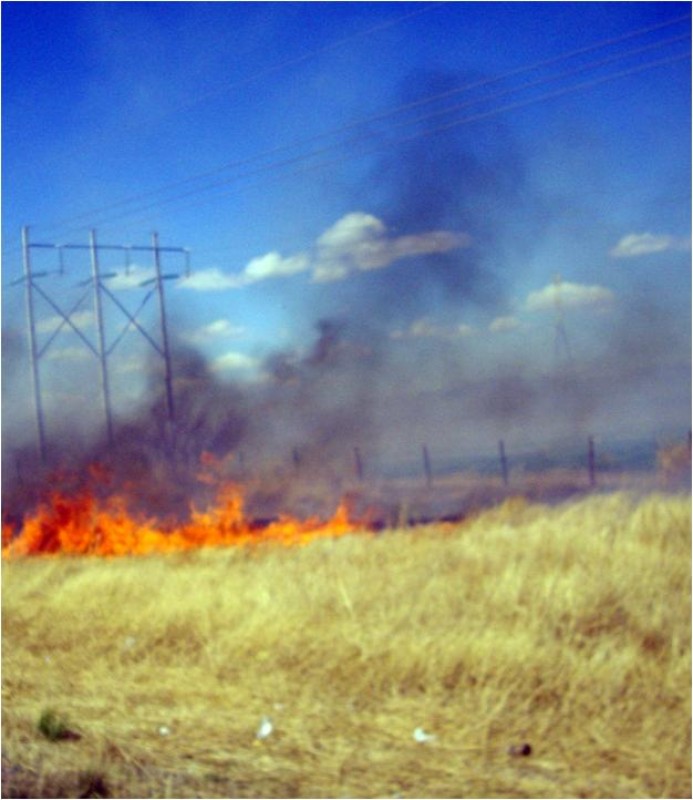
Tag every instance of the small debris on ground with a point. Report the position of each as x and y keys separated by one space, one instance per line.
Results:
x=422 y=737
x=265 y=728
x=524 y=749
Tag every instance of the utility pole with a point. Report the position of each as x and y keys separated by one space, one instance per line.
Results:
x=98 y=310
x=33 y=351
x=166 y=353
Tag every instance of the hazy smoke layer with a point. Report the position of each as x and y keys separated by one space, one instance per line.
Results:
x=354 y=389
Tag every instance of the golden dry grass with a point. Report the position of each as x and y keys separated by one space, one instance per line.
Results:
x=565 y=627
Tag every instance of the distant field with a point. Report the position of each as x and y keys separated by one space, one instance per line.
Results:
x=565 y=627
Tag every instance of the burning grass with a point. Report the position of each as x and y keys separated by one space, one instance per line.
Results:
x=84 y=524
x=565 y=627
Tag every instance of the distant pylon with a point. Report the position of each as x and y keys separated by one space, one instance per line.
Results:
x=101 y=350
x=562 y=351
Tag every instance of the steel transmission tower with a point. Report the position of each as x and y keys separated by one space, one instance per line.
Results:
x=102 y=350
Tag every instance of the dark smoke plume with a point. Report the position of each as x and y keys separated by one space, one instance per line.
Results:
x=474 y=180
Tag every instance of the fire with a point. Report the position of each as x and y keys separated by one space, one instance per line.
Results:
x=83 y=523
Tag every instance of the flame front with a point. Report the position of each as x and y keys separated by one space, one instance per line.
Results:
x=83 y=524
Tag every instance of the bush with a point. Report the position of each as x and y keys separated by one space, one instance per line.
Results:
x=54 y=727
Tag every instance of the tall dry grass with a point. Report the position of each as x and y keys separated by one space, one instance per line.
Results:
x=568 y=628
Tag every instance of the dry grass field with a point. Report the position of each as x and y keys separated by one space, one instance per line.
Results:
x=564 y=627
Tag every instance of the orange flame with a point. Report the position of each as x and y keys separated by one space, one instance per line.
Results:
x=83 y=524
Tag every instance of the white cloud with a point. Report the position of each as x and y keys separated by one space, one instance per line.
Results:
x=262 y=268
x=641 y=244
x=464 y=330
x=329 y=271
x=504 y=324
x=234 y=361
x=360 y=241
x=354 y=239
x=128 y=365
x=423 y=328
x=568 y=295
x=219 y=329
x=69 y=354
x=272 y=265
x=133 y=278
x=81 y=320
x=356 y=242
x=210 y=280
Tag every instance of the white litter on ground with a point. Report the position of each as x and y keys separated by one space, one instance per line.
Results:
x=265 y=728
x=422 y=737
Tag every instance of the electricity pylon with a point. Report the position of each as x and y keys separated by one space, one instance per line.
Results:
x=101 y=349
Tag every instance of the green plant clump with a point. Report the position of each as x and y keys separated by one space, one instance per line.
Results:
x=52 y=726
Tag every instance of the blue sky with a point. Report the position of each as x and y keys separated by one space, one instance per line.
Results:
x=419 y=172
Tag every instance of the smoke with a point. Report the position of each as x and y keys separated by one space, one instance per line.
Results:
x=291 y=438
x=315 y=404
x=321 y=403
x=471 y=181
x=17 y=422
x=291 y=435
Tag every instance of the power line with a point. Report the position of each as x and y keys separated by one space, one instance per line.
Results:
x=380 y=116
x=556 y=93
x=540 y=81
x=429 y=6
x=311 y=54
x=421 y=134
x=410 y=137
x=528 y=68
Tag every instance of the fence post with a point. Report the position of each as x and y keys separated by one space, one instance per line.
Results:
x=503 y=462
x=591 y=464
x=358 y=465
x=427 y=466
